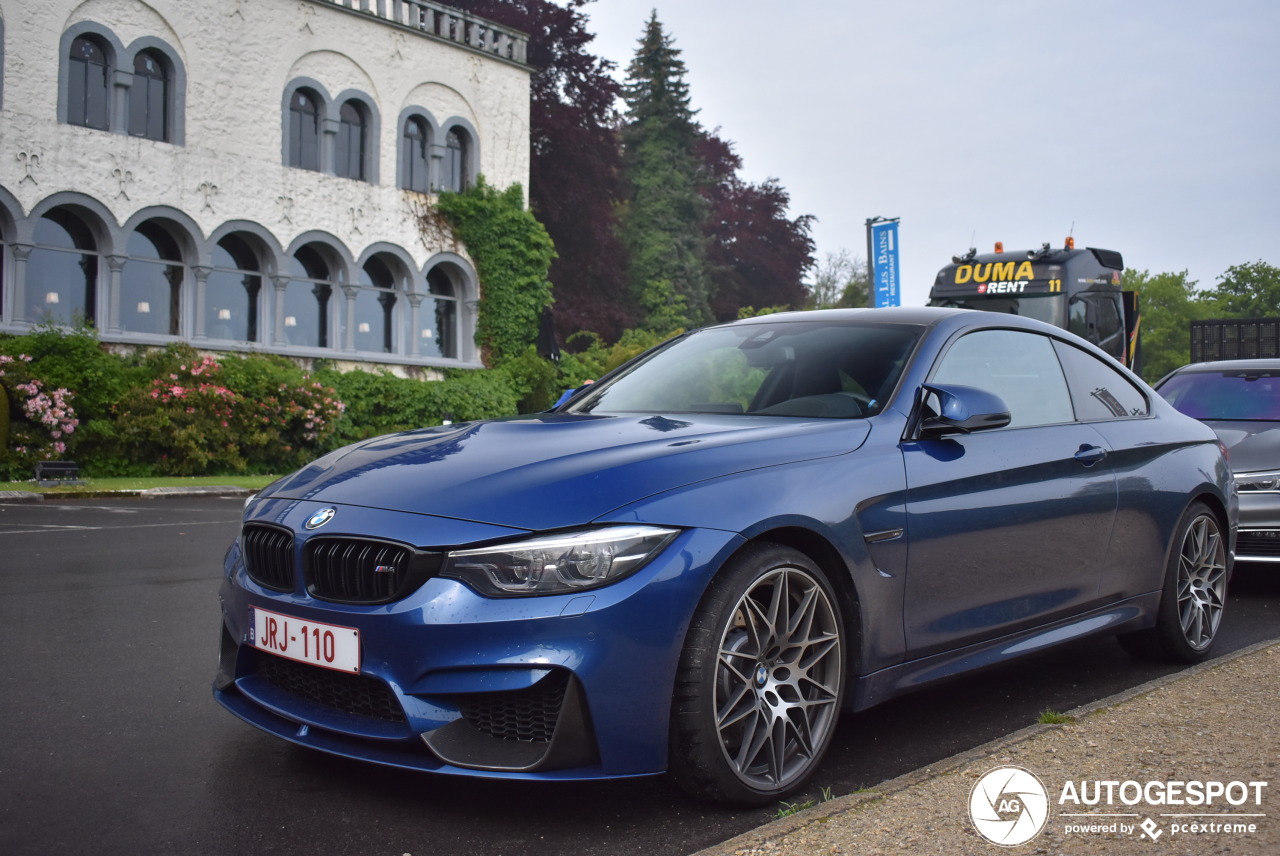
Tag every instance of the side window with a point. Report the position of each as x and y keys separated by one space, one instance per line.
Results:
x=415 y=155
x=87 y=90
x=1108 y=318
x=1098 y=390
x=1096 y=317
x=1020 y=367
x=1078 y=318
x=149 y=97
x=303 y=131
x=457 y=161
x=353 y=134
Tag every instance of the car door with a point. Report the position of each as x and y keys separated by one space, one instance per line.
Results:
x=1114 y=406
x=1008 y=528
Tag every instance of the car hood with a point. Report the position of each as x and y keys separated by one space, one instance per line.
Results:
x=1252 y=446
x=555 y=470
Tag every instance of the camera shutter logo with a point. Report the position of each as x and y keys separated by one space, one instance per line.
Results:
x=1009 y=806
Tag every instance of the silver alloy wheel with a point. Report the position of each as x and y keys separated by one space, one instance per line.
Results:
x=1202 y=582
x=778 y=671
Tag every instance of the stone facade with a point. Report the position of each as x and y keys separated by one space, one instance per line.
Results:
x=195 y=227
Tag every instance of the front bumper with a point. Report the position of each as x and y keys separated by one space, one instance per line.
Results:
x=1259 y=538
x=572 y=686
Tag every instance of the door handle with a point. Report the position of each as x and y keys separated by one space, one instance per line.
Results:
x=1090 y=455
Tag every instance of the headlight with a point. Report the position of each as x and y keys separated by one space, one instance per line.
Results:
x=558 y=564
x=1258 y=481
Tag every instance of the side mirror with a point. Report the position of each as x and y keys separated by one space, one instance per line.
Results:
x=959 y=410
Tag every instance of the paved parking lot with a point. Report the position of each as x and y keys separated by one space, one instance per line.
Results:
x=113 y=744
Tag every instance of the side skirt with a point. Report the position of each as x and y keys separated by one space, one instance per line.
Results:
x=1136 y=613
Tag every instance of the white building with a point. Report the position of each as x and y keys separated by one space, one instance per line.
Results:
x=245 y=175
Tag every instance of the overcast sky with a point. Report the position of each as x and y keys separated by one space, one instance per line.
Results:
x=1151 y=127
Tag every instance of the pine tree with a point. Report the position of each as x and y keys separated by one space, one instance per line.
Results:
x=663 y=221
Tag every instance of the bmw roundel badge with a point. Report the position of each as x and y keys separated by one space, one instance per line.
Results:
x=320 y=518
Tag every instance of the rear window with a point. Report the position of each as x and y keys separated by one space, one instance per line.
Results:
x=1247 y=394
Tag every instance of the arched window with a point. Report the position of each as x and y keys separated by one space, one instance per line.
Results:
x=455 y=168
x=151 y=283
x=375 y=308
x=442 y=339
x=88 y=90
x=231 y=292
x=352 y=142
x=149 y=97
x=304 y=130
x=415 y=155
x=306 y=299
x=61 y=272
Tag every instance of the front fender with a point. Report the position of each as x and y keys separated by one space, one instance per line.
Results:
x=841 y=500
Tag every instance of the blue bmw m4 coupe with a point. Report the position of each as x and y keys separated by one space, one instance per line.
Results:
x=696 y=564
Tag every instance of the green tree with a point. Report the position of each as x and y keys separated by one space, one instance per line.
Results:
x=662 y=222
x=575 y=182
x=1250 y=290
x=839 y=280
x=1169 y=302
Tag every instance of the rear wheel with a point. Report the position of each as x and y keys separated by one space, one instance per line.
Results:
x=1195 y=593
x=761 y=680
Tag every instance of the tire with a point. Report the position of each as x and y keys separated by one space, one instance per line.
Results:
x=760 y=682
x=1195 y=592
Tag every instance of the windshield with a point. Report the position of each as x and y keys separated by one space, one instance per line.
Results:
x=793 y=368
x=1241 y=394
x=1049 y=308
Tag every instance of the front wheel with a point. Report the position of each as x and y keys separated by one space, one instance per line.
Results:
x=760 y=682
x=1194 y=595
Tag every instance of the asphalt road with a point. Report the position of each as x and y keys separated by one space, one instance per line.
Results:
x=110 y=742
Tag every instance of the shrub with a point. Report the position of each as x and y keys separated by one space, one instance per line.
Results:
x=75 y=360
x=39 y=423
x=199 y=416
x=181 y=423
x=381 y=403
x=292 y=418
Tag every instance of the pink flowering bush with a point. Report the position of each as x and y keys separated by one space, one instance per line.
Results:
x=298 y=417
x=36 y=423
x=183 y=422
x=202 y=416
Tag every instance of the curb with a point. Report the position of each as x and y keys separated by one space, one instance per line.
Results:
x=201 y=490
x=28 y=497
x=20 y=496
x=834 y=809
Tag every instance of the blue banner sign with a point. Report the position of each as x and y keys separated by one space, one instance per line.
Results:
x=883 y=244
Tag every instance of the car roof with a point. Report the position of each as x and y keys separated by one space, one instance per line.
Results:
x=954 y=318
x=1230 y=366
x=899 y=314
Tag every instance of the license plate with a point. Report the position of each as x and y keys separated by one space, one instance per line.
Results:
x=325 y=645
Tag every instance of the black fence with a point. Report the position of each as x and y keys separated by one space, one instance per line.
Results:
x=1235 y=339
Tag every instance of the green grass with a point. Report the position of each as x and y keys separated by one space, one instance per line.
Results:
x=132 y=484
x=1052 y=717
x=786 y=809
